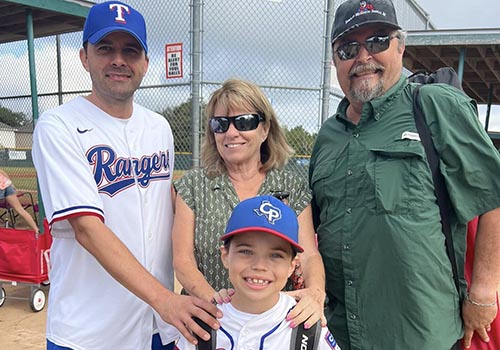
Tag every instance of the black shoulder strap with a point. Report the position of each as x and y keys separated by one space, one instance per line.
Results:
x=206 y=344
x=305 y=339
x=442 y=195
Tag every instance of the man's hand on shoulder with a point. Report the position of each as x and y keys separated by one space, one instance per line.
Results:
x=179 y=310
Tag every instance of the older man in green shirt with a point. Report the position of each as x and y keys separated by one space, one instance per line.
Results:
x=388 y=278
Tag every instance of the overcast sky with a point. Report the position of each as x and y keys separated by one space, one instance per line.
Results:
x=457 y=14
x=291 y=56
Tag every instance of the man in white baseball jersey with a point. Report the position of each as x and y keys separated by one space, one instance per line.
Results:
x=105 y=166
x=260 y=246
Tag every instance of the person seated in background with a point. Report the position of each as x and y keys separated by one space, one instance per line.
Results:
x=260 y=245
x=9 y=194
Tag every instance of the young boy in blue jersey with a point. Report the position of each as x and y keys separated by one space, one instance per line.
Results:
x=260 y=246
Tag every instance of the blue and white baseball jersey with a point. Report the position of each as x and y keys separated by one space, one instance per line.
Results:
x=266 y=331
x=89 y=163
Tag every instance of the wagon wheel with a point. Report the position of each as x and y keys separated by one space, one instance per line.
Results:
x=37 y=301
x=2 y=296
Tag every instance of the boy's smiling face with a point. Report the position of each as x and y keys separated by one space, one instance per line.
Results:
x=259 y=265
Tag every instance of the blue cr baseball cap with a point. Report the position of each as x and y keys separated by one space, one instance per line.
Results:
x=265 y=214
x=112 y=16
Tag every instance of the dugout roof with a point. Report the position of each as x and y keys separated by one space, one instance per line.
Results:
x=50 y=17
x=477 y=49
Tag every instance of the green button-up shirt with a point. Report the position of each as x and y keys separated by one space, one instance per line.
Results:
x=389 y=281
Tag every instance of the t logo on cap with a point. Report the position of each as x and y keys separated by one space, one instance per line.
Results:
x=119 y=10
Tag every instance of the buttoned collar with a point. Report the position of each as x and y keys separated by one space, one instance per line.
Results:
x=375 y=108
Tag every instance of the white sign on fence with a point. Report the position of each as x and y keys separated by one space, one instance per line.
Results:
x=173 y=57
x=17 y=155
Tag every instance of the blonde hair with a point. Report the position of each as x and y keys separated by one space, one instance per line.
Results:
x=233 y=94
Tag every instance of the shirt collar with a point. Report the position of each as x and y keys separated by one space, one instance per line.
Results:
x=376 y=107
x=223 y=182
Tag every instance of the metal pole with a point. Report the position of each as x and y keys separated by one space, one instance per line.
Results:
x=31 y=58
x=59 y=69
x=34 y=96
x=461 y=63
x=196 y=60
x=327 y=59
x=488 y=108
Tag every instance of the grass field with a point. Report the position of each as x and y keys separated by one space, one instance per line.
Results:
x=23 y=178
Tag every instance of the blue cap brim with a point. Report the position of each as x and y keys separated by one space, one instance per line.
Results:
x=100 y=34
x=297 y=247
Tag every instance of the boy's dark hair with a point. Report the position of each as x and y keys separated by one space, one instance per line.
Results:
x=226 y=243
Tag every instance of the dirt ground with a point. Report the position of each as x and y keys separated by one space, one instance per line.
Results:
x=20 y=327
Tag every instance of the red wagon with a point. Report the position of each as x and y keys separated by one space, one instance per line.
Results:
x=25 y=259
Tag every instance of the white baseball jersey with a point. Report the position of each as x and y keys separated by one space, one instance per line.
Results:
x=89 y=163
x=266 y=331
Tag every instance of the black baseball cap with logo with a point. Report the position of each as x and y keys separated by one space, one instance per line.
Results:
x=353 y=14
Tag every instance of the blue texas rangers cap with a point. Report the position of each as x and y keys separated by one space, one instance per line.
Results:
x=353 y=14
x=112 y=16
x=265 y=214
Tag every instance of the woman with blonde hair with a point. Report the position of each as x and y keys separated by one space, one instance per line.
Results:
x=244 y=153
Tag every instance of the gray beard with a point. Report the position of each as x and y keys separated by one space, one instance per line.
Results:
x=364 y=93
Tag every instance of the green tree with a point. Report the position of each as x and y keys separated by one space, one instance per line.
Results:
x=179 y=118
x=300 y=140
x=11 y=118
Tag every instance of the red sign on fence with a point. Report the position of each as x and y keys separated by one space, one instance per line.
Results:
x=173 y=58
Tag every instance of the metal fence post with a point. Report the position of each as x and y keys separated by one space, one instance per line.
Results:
x=31 y=55
x=196 y=60
x=59 y=70
x=327 y=59
x=34 y=98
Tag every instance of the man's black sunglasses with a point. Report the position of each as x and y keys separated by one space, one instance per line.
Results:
x=243 y=122
x=373 y=44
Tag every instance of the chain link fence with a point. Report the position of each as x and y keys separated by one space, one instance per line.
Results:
x=279 y=44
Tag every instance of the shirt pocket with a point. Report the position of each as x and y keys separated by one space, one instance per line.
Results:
x=327 y=186
x=396 y=172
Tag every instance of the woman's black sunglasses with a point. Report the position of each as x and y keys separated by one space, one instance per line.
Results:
x=243 y=122
x=373 y=44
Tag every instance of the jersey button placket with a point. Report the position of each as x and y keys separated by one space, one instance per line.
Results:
x=352 y=207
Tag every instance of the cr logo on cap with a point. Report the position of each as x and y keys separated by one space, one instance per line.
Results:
x=268 y=210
